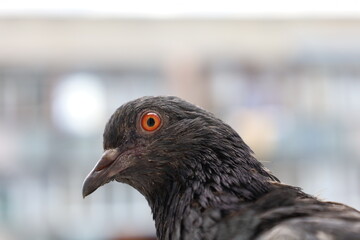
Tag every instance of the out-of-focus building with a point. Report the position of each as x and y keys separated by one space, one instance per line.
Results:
x=290 y=87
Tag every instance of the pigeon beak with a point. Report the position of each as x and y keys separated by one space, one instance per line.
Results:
x=102 y=173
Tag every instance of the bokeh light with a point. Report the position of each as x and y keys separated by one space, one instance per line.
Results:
x=79 y=104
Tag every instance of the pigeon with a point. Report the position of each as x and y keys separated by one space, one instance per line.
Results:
x=202 y=181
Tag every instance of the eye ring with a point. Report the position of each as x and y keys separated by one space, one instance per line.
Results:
x=150 y=121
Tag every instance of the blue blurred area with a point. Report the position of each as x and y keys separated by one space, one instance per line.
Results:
x=290 y=88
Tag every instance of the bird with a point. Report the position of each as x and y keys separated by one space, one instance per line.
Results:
x=202 y=181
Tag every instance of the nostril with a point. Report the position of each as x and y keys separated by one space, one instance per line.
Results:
x=104 y=163
x=106 y=160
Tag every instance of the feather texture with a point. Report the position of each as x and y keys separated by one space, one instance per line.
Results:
x=202 y=181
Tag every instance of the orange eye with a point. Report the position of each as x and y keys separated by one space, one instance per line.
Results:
x=150 y=122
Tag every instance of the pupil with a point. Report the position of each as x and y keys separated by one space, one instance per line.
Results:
x=150 y=122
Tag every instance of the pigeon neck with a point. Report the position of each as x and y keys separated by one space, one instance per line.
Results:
x=223 y=184
x=178 y=204
x=169 y=207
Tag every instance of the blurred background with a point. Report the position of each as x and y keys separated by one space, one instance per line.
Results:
x=286 y=76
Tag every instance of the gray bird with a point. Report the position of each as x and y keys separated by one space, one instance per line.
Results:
x=202 y=181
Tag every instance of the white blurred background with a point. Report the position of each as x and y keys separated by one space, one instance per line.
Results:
x=285 y=75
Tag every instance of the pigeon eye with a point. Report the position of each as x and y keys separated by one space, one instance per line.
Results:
x=150 y=121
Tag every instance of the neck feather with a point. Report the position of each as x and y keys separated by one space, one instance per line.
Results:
x=174 y=203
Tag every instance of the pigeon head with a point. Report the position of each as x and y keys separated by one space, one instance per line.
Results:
x=156 y=143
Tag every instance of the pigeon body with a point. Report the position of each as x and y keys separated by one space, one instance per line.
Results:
x=202 y=181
